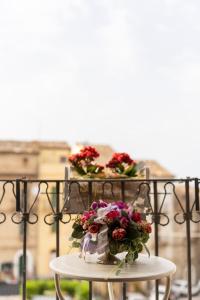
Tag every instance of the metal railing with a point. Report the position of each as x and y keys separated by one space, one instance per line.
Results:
x=164 y=201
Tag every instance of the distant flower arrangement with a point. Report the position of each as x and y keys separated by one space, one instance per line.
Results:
x=110 y=229
x=83 y=162
x=120 y=165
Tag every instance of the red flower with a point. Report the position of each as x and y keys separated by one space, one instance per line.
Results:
x=119 y=234
x=136 y=217
x=148 y=228
x=74 y=158
x=123 y=158
x=87 y=215
x=112 y=214
x=94 y=228
x=119 y=158
x=89 y=152
x=83 y=219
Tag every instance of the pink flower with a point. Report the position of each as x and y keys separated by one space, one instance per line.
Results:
x=102 y=204
x=94 y=205
x=121 y=204
x=87 y=215
x=136 y=217
x=124 y=222
x=119 y=234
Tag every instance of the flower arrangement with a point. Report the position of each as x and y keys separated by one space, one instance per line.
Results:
x=83 y=162
x=111 y=229
x=121 y=164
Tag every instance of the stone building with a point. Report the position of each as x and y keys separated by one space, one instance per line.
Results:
x=33 y=160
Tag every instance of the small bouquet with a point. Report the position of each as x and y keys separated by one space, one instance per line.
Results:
x=122 y=164
x=83 y=162
x=109 y=229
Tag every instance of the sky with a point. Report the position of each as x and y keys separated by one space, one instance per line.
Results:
x=124 y=73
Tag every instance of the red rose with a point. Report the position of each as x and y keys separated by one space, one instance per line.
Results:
x=94 y=228
x=148 y=228
x=145 y=227
x=119 y=234
x=112 y=214
x=136 y=217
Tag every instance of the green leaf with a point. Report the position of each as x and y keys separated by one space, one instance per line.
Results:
x=91 y=168
x=145 y=237
x=76 y=244
x=132 y=232
x=80 y=170
x=130 y=257
x=130 y=171
x=113 y=246
x=139 y=247
x=120 y=266
x=124 y=213
x=119 y=168
x=78 y=231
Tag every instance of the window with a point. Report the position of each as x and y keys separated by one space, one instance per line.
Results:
x=63 y=159
x=25 y=160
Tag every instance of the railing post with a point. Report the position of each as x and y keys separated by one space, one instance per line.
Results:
x=57 y=221
x=155 y=193
x=24 y=239
x=189 y=274
x=17 y=195
x=196 y=185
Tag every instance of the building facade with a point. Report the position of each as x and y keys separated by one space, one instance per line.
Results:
x=32 y=160
x=47 y=160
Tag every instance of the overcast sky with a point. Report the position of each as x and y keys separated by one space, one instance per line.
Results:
x=126 y=73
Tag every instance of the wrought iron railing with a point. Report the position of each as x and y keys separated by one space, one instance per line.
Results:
x=165 y=201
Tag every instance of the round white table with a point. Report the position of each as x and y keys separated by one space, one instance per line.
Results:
x=144 y=268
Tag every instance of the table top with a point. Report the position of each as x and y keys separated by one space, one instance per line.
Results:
x=144 y=268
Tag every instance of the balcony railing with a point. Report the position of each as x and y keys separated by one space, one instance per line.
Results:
x=172 y=205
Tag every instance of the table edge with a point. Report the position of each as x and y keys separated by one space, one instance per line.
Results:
x=115 y=279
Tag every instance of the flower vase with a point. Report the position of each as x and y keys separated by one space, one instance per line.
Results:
x=108 y=258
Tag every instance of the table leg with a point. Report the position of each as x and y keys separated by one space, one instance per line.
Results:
x=168 y=287
x=110 y=291
x=57 y=285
